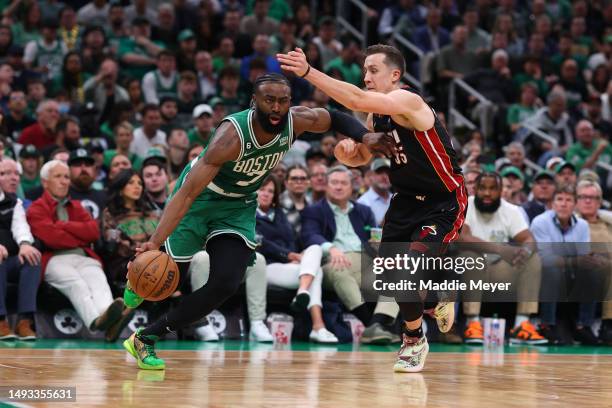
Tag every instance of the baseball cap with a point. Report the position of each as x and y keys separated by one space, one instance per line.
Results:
x=29 y=151
x=80 y=154
x=563 y=165
x=185 y=35
x=380 y=163
x=154 y=154
x=552 y=163
x=514 y=171
x=544 y=174
x=214 y=101
x=202 y=109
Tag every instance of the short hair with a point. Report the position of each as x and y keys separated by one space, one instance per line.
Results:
x=188 y=76
x=489 y=174
x=589 y=183
x=515 y=145
x=165 y=53
x=229 y=71
x=124 y=125
x=149 y=107
x=43 y=105
x=565 y=188
x=62 y=125
x=48 y=166
x=393 y=56
x=555 y=95
x=270 y=77
x=340 y=169
x=297 y=167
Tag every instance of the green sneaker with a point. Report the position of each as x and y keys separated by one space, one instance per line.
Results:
x=144 y=353
x=130 y=298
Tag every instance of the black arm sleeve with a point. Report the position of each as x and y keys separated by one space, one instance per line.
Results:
x=347 y=125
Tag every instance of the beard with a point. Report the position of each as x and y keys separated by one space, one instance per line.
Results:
x=264 y=121
x=486 y=208
x=83 y=181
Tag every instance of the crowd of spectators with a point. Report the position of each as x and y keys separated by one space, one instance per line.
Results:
x=103 y=103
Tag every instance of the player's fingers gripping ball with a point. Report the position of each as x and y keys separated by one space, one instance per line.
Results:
x=153 y=275
x=352 y=154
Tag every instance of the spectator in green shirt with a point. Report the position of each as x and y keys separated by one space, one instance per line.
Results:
x=279 y=9
x=532 y=72
x=123 y=138
x=519 y=112
x=346 y=63
x=31 y=160
x=203 y=130
x=138 y=53
x=587 y=151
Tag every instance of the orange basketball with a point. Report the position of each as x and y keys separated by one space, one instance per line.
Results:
x=153 y=275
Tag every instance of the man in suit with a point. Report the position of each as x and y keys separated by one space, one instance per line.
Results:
x=342 y=227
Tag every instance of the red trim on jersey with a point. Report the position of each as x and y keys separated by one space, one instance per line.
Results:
x=462 y=200
x=439 y=158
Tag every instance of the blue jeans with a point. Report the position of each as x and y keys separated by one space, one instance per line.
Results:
x=586 y=313
x=27 y=276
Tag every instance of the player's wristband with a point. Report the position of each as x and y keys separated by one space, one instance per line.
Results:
x=307 y=72
x=347 y=125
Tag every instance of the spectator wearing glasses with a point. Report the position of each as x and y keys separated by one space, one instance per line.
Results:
x=588 y=204
x=318 y=182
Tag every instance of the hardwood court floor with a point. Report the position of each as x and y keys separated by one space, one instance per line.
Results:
x=234 y=374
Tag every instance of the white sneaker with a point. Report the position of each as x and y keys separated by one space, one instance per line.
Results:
x=323 y=336
x=206 y=333
x=411 y=356
x=444 y=314
x=259 y=332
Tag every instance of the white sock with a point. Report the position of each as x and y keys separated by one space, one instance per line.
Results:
x=519 y=319
x=473 y=319
x=303 y=291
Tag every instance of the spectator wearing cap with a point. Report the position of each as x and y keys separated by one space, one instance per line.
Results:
x=149 y=133
x=68 y=263
x=203 y=130
x=83 y=174
x=185 y=57
x=378 y=196
x=30 y=159
x=513 y=182
x=68 y=136
x=43 y=132
x=104 y=91
x=168 y=109
x=259 y=22
x=137 y=52
x=155 y=177
x=19 y=259
x=93 y=13
x=123 y=138
x=588 y=150
x=542 y=190
x=163 y=81
x=188 y=96
x=589 y=198
x=565 y=173
x=47 y=54
x=178 y=145
x=17 y=117
x=206 y=76
x=140 y=8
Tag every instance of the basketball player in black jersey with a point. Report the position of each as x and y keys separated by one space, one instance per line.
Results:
x=431 y=201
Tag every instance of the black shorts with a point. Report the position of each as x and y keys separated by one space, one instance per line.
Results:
x=426 y=218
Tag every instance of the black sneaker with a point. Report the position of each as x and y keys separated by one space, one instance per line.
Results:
x=553 y=334
x=585 y=336
x=300 y=302
x=605 y=332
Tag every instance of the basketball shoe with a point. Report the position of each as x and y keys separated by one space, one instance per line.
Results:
x=526 y=333
x=142 y=348
x=444 y=313
x=130 y=298
x=473 y=333
x=411 y=356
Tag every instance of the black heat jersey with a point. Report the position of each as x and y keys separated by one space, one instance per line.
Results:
x=426 y=162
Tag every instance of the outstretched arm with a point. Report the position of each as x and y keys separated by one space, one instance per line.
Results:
x=397 y=102
x=223 y=148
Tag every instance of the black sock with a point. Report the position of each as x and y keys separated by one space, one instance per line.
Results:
x=418 y=333
x=362 y=312
x=26 y=316
x=158 y=329
x=2 y=317
x=382 y=319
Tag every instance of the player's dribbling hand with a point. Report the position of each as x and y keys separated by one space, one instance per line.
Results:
x=294 y=61
x=146 y=246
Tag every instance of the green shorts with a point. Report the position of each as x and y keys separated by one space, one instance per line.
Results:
x=210 y=215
